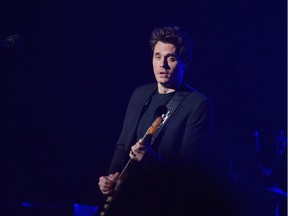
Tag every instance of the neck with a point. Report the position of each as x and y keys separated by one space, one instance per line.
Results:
x=165 y=90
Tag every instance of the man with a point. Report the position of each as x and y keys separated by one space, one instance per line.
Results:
x=170 y=176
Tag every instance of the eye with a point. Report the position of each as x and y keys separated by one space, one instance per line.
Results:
x=172 y=59
x=157 y=57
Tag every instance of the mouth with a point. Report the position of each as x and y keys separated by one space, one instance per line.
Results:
x=163 y=73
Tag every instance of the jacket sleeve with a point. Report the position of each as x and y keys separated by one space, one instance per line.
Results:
x=197 y=135
x=120 y=149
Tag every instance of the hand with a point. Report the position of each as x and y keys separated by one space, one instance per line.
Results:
x=106 y=183
x=138 y=151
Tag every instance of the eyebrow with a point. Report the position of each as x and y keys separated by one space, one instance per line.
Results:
x=168 y=55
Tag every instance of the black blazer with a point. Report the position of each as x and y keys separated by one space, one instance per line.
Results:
x=182 y=182
x=184 y=138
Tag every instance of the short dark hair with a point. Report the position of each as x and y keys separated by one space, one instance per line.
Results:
x=175 y=36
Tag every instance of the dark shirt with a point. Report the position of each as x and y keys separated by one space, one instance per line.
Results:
x=150 y=114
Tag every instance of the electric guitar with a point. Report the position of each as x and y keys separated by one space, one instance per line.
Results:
x=124 y=174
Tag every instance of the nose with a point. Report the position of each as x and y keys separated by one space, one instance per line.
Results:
x=164 y=64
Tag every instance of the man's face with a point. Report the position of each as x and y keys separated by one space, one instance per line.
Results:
x=167 y=65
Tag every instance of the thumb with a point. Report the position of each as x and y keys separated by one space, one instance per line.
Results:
x=116 y=175
x=140 y=141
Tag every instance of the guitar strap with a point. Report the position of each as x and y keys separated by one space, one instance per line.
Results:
x=172 y=105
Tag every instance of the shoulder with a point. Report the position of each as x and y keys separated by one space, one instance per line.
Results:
x=194 y=94
x=145 y=90
x=141 y=94
x=196 y=100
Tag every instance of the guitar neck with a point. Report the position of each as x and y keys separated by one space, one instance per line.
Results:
x=124 y=174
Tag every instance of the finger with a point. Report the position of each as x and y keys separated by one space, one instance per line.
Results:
x=107 y=179
x=115 y=176
x=102 y=181
x=107 y=192
x=111 y=177
x=133 y=148
x=142 y=147
x=132 y=153
x=103 y=185
x=138 y=148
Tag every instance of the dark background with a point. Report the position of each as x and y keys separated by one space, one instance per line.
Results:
x=64 y=90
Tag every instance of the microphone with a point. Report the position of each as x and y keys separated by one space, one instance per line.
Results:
x=11 y=41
